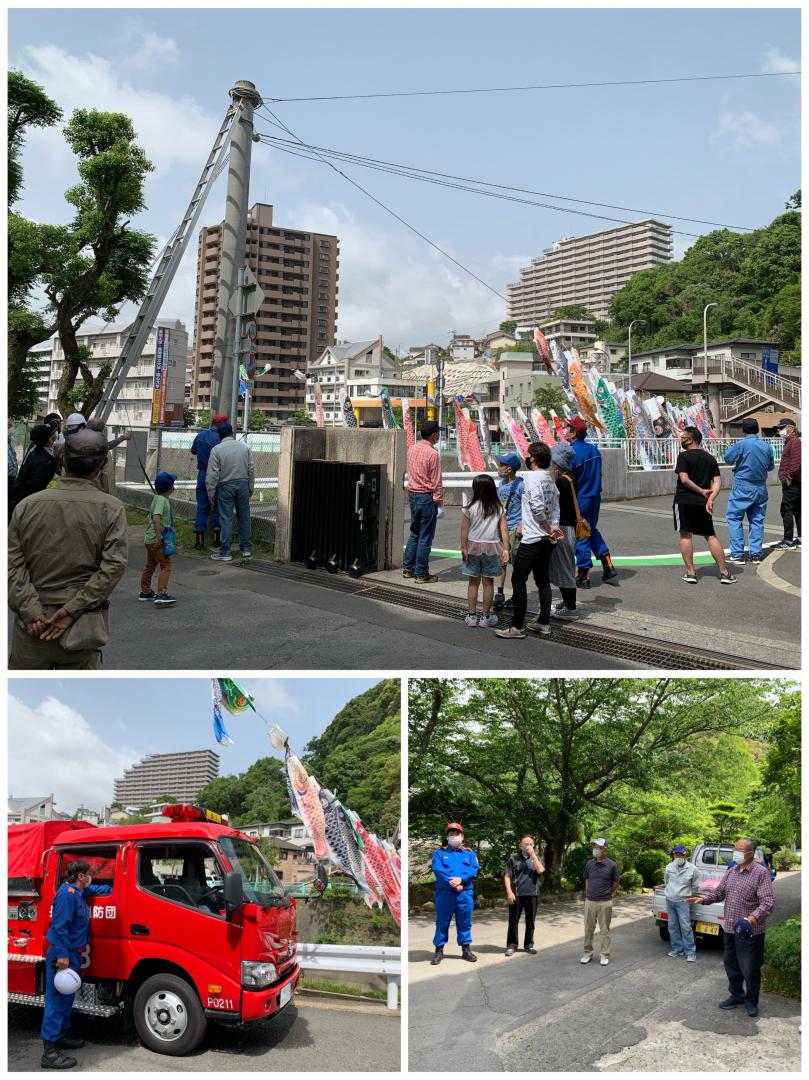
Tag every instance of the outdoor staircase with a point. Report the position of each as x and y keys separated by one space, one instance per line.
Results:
x=760 y=387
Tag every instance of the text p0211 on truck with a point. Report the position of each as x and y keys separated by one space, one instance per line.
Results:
x=197 y=926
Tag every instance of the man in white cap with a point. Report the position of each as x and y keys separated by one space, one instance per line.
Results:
x=601 y=882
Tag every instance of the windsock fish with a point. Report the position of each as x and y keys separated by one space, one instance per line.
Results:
x=510 y=425
x=543 y=350
x=483 y=427
x=608 y=408
x=344 y=851
x=407 y=421
x=388 y=419
x=469 y=455
x=347 y=410
x=321 y=416
x=279 y=740
x=394 y=860
x=542 y=427
x=527 y=425
x=375 y=858
x=558 y=426
x=305 y=790
x=560 y=365
x=580 y=391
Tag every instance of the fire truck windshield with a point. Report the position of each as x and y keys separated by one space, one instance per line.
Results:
x=261 y=886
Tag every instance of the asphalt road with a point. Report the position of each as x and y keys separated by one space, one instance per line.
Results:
x=549 y=1013
x=308 y=1036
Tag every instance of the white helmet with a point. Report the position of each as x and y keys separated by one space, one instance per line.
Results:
x=67 y=981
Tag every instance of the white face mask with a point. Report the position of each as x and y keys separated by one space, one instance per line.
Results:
x=454 y=841
x=738 y=856
x=597 y=852
x=524 y=849
x=783 y=433
x=680 y=860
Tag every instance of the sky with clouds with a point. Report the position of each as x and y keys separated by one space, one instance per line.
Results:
x=72 y=737
x=721 y=151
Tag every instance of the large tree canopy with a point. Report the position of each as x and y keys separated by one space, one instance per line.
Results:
x=563 y=758
x=62 y=275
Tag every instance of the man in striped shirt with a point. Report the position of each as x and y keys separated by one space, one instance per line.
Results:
x=425 y=494
x=746 y=889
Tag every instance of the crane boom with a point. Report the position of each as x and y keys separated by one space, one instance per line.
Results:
x=167 y=267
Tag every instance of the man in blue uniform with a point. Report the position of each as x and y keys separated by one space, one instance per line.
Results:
x=751 y=458
x=587 y=479
x=201 y=449
x=67 y=937
x=455 y=868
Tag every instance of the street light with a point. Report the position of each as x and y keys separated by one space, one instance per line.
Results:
x=629 y=367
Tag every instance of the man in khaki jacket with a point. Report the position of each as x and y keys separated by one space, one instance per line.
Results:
x=67 y=552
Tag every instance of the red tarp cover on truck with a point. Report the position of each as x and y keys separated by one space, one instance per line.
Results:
x=27 y=843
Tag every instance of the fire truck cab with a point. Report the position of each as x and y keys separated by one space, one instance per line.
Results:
x=197 y=926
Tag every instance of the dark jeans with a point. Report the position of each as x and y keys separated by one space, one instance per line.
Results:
x=204 y=510
x=791 y=509
x=532 y=559
x=743 y=960
x=423 y=520
x=528 y=904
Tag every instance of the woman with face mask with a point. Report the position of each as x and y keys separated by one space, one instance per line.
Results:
x=681 y=879
x=455 y=868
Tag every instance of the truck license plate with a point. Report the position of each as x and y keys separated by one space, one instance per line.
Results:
x=706 y=928
x=285 y=995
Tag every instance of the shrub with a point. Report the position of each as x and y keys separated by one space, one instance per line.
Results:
x=566 y=885
x=785 y=859
x=574 y=862
x=631 y=881
x=650 y=865
x=782 y=958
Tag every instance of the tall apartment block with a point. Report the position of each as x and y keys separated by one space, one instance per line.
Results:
x=587 y=270
x=297 y=271
x=182 y=775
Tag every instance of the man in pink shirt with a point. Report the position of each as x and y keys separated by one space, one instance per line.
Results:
x=425 y=494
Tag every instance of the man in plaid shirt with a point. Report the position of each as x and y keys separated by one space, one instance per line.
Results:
x=425 y=493
x=746 y=889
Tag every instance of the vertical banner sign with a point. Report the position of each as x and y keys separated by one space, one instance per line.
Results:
x=158 y=377
x=165 y=332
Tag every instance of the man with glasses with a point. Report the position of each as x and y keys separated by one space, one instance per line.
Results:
x=698 y=484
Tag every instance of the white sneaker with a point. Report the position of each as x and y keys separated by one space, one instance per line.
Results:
x=586 y=958
x=471 y=620
x=691 y=959
x=488 y=620
x=561 y=611
x=673 y=953
x=604 y=961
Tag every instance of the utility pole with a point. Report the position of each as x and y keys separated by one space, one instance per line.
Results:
x=233 y=245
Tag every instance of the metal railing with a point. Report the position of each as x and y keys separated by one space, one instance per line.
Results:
x=383 y=960
x=734 y=369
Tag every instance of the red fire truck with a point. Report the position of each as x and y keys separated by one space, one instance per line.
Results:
x=197 y=926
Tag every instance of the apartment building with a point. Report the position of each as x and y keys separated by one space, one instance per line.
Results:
x=153 y=390
x=297 y=272
x=587 y=270
x=181 y=775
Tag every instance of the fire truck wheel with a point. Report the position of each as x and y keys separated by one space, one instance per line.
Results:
x=168 y=1015
x=664 y=932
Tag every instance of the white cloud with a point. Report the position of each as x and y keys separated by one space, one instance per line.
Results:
x=741 y=129
x=775 y=60
x=143 y=50
x=54 y=749
x=274 y=701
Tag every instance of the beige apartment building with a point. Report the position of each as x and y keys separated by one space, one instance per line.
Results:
x=182 y=775
x=297 y=272
x=587 y=270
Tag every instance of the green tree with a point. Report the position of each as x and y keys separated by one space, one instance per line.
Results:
x=794 y=201
x=508 y=326
x=189 y=416
x=549 y=397
x=300 y=418
x=572 y=311
x=28 y=107
x=86 y=268
x=257 y=420
x=556 y=757
x=204 y=418
x=729 y=820
x=781 y=771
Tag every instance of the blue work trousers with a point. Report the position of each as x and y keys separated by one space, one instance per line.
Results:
x=423 y=520
x=750 y=500
x=204 y=506
x=58 y=1007
x=449 y=903
x=595 y=543
x=681 y=932
x=234 y=493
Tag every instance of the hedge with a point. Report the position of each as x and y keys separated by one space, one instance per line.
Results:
x=782 y=958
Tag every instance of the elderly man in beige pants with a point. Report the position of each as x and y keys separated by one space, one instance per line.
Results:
x=600 y=883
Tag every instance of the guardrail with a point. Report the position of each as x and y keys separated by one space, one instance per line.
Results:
x=364 y=959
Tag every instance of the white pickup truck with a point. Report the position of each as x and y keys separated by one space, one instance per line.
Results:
x=708 y=920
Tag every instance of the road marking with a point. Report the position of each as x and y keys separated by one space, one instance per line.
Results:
x=766 y=571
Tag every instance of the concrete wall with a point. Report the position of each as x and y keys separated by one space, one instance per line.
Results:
x=374 y=447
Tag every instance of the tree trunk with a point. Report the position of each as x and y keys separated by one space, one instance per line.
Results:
x=76 y=363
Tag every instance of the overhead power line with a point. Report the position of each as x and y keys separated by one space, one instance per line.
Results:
x=417 y=172
x=387 y=209
x=543 y=86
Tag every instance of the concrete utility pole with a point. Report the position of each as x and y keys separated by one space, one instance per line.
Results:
x=233 y=244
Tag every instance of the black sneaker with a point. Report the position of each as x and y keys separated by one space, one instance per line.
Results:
x=609 y=573
x=147 y=595
x=756 y=560
x=467 y=954
x=439 y=956
x=509 y=604
x=53 y=1058
x=510 y=950
x=731 y=1003
x=499 y=602
x=582 y=581
x=783 y=545
x=530 y=950
x=164 y=599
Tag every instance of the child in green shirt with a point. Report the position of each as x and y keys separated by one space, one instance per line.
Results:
x=159 y=518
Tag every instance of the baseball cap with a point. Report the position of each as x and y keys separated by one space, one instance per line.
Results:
x=514 y=461
x=455 y=825
x=787 y=422
x=225 y=430
x=164 y=481
x=578 y=423
x=75 y=420
x=679 y=849
x=749 y=424
x=600 y=842
x=220 y=418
